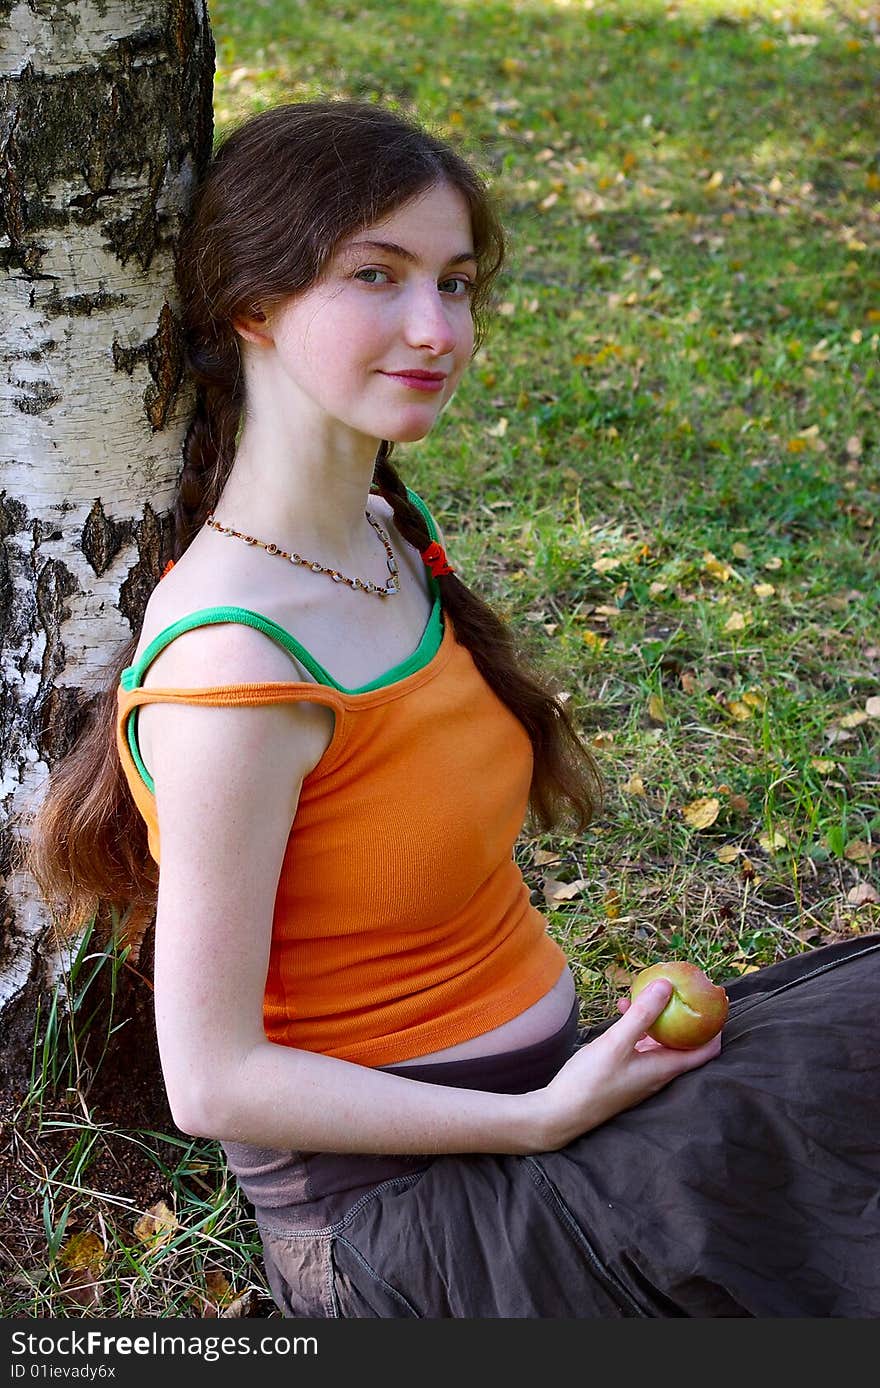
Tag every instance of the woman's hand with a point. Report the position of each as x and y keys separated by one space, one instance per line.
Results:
x=618 y=1070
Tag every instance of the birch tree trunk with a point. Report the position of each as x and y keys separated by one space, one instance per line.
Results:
x=106 y=124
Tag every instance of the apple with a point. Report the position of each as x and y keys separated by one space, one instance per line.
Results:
x=696 y=1011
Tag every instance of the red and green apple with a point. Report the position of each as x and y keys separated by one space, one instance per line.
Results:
x=696 y=1011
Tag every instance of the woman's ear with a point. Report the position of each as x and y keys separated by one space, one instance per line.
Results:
x=254 y=327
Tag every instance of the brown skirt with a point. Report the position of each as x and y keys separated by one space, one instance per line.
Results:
x=747 y=1188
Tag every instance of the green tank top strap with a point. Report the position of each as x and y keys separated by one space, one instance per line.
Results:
x=429 y=519
x=427 y=648
x=132 y=676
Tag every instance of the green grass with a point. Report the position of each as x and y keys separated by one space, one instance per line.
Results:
x=110 y=1220
x=663 y=468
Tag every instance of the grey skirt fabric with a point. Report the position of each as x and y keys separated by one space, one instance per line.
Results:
x=747 y=1188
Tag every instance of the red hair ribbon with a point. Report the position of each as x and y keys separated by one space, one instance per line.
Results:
x=167 y=569
x=435 y=558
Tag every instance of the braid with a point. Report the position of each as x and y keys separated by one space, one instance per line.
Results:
x=407 y=517
x=564 y=776
x=209 y=447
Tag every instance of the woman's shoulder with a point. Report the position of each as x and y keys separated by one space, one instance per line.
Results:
x=222 y=653
x=210 y=650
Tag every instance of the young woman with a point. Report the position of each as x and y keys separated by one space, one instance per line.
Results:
x=328 y=743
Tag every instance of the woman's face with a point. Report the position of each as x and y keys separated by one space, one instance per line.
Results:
x=381 y=341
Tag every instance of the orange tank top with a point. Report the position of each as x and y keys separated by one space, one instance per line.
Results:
x=402 y=924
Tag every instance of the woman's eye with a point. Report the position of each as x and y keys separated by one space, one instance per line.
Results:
x=370 y=275
x=458 y=285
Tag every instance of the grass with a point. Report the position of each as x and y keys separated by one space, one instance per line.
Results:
x=104 y=1219
x=663 y=468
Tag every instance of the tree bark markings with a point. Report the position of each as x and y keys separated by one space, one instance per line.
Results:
x=106 y=123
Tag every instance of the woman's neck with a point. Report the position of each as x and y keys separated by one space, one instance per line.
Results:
x=309 y=491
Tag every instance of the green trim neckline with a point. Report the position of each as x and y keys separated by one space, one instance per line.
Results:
x=429 y=645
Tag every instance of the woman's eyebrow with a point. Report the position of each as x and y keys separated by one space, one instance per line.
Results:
x=404 y=254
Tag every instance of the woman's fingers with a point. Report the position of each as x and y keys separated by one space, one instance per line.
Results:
x=639 y=1015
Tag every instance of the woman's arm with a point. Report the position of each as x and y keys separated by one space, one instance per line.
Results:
x=227 y=785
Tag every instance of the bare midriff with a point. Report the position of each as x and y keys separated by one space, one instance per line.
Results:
x=537 y=1022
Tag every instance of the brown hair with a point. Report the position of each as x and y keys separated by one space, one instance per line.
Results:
x=282 y=190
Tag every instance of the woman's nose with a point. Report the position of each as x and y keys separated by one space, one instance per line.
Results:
x=428 y=322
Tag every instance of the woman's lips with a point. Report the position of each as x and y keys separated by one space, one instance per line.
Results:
x=418 y=380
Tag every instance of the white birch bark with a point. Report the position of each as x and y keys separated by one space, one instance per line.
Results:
x=106 y=122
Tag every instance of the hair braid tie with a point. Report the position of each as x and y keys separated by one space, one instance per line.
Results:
x=435 y=559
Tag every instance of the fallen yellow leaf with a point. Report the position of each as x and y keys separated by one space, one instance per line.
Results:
x=700 y=813
x=728 y=853
x=85 y=1250
x=773 y=563
x=217 y=1299
x=739 y=710
x=716 y=567
x=853 y=720
x=872 y=706
x=218 y=1288
x=824 y=765
x=635 y=786
x=763 y=590
x=737 y=621
x=656 y=709
x=157 y=1224
x=611 y=904
x=594 y=640
x=772 y=840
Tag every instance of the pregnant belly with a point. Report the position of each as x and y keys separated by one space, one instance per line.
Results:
x=539 y=1021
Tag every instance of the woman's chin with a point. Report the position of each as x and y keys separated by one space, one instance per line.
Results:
x=410 y=432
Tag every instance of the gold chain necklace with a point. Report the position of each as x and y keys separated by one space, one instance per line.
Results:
x=364 y=584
